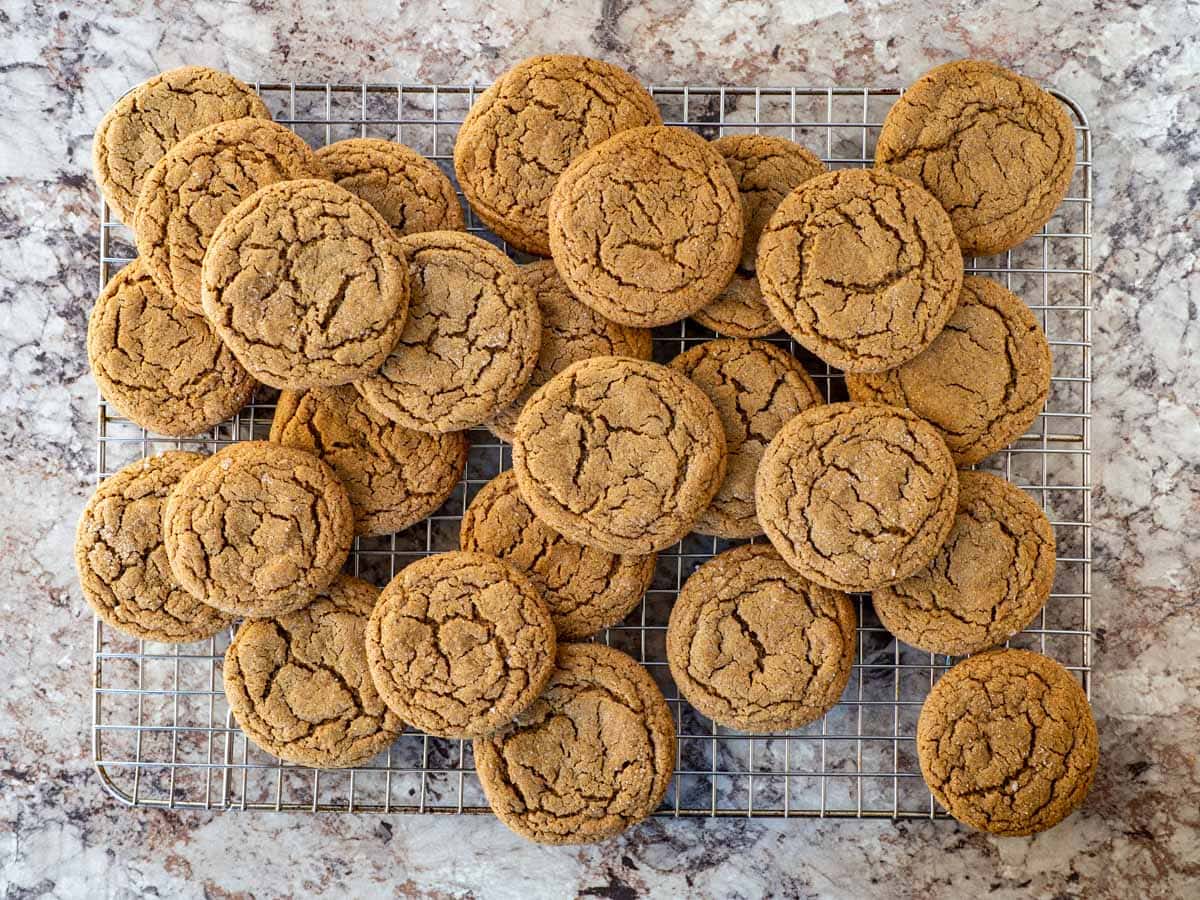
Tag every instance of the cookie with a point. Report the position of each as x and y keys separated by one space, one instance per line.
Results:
x=121 y=562
x=1007 y=742
x=861 y=267
x=995 y=149
x=298 y=684
x=153 y=117
x=766 y=169
x=161 y=365
x=258 y=529
x=619 y=454
x=989 y=580
x=306 y=284
x=756 y=387
x=404 y=187
x=526 y=128
x=204 y=176
x=646 y=228
x=586 y=589
x=590 y=758
x=754 y=646
x=460 y=643
x=856 y=496
x=471 y=340
x=982 y=382
x=570 y=332
x=394 y=476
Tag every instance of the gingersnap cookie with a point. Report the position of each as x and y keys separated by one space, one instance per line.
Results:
x=590 y=758
x=203 y=177
x=306 y=284
x=646 y=228
x=995 y=149
x=298 y=684
x=1007 y=742
x=460 y=643
x=524 y=130
x=989 y=581
x=153 y=117
x=861 y=267
x=257 y=529
x=404 y=187
x=570 y=332
x=619 y=454
x=586 y=589
x=121 y=562
x=982 y=382
x=394 y=476
x=856 y=496
x=757 y=388
x=162 y=366
x=471 y=340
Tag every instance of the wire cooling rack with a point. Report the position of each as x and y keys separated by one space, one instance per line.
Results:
x=162 y=732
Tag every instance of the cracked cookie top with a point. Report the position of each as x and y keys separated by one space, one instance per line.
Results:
x=989 y=580
x=861 y=267
x=257 y=529
x=856 y=496
x=619 y=454
x=460 y=643
x=586 y=589
x=161 y=365
x=995 y=149
x=982 y=381
x=299 y=687
x=525 y=129
x=757 y=388
x=1007 y=742
x=647 y=228
x=122 y=563
x=394 y=476
x=153 y=117
x=471 y=340
x=590 y=758
x=753 y=645
x=197 y=182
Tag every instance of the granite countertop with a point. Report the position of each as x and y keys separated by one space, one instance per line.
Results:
x=1132 y=67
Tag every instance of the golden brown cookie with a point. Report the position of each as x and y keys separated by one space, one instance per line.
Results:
x=856 y=496
x=471 y=340
x=526 y=128
x=619 y=454
x=586 y=589
x=1007 y=742
x=121 y=562
x=460 y=643
x=757 y=388
x=570 y=332
x=407 y=189
x=646 y=228
x=306 y=284
x=258 y=529
x=989 y=580
x=159 y=364
x=394 y=476
x=299 y=687
x=153 y=117
x=204 y=176
x=983 y=380
x=861 y=267
x=995 y=149
x=590 y=758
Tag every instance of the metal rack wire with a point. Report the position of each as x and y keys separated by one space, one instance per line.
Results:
x=162 y=732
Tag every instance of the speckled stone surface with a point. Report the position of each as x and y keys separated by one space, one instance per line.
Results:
x=1131 y=66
